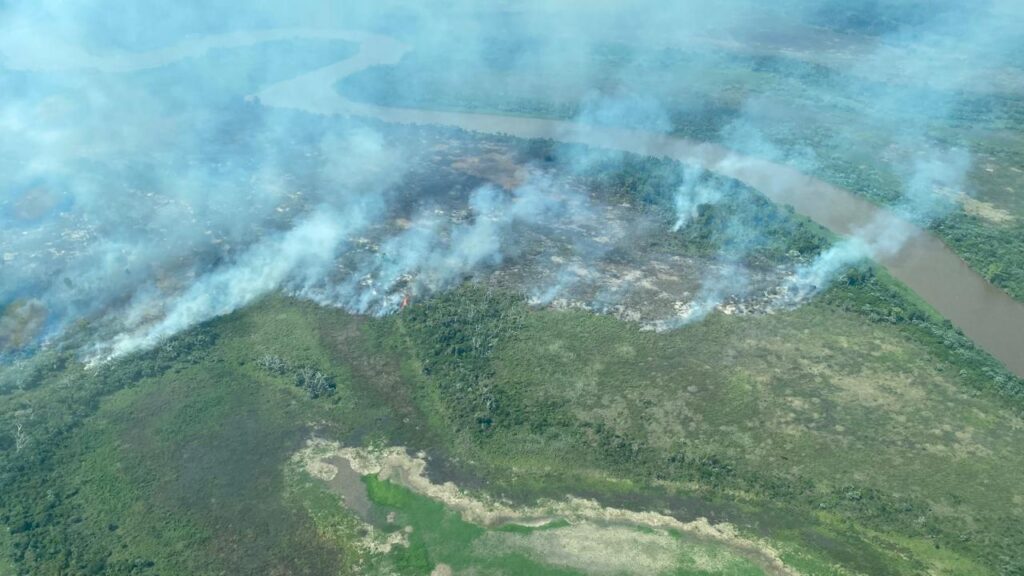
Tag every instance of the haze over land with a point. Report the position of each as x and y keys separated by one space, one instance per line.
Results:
x=517 y=287
x=142 y=181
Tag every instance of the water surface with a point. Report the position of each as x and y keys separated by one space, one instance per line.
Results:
x=986 y=314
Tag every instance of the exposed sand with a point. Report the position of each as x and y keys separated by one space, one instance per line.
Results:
x=589 y=521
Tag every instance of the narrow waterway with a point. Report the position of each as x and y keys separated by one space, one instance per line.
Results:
x=924 y=263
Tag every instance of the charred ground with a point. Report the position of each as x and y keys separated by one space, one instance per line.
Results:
x=775 y=422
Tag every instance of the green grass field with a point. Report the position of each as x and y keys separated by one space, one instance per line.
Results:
x=859 y=433
x=851 y=445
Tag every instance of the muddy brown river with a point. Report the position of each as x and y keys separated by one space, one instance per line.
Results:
x=924 y=263
x=986 y=314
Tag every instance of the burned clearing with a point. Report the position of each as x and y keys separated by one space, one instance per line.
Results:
x=550 y=289
x=586 y=244
x=569 y=227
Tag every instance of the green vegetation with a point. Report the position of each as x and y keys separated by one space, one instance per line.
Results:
x=731 y=414
x=163 y=475
x=440 y=536
x=742 y=225
x=994 y=251
x=766 y=105
x=858 y=434
x=859 y=445
x=223 y=75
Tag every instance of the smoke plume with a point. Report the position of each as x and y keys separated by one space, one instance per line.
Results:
x=143 y=188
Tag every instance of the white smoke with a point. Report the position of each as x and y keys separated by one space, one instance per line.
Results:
x=127 y=202
x=691 y=195
x=433 y=253
x=295 y=260
x=937 y=179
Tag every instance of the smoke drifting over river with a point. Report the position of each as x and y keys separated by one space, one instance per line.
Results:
x=143 y=188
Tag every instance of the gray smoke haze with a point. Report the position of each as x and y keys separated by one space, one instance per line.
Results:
x=294 y=259
x=144 y=190
x=433 y=253
x=691 y=195
x=933 y=68
x=923 y=201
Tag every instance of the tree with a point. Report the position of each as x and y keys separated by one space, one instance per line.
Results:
x=314 y=382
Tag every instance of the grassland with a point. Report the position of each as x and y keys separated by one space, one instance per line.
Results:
x=859 y=434
x=569 y=389
x=405 y=513
x=439 y=536
x=878 y=445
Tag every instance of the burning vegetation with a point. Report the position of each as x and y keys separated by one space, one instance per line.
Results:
x=572 y=228
x=645 y=240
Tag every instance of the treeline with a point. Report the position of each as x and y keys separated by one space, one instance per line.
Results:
x=863 y=291
x=995 y=251
x=742 y=226
x=314 y=381
x=48 y=530
x=456 y=337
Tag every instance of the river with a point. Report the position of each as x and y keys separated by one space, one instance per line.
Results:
x=986 y=314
